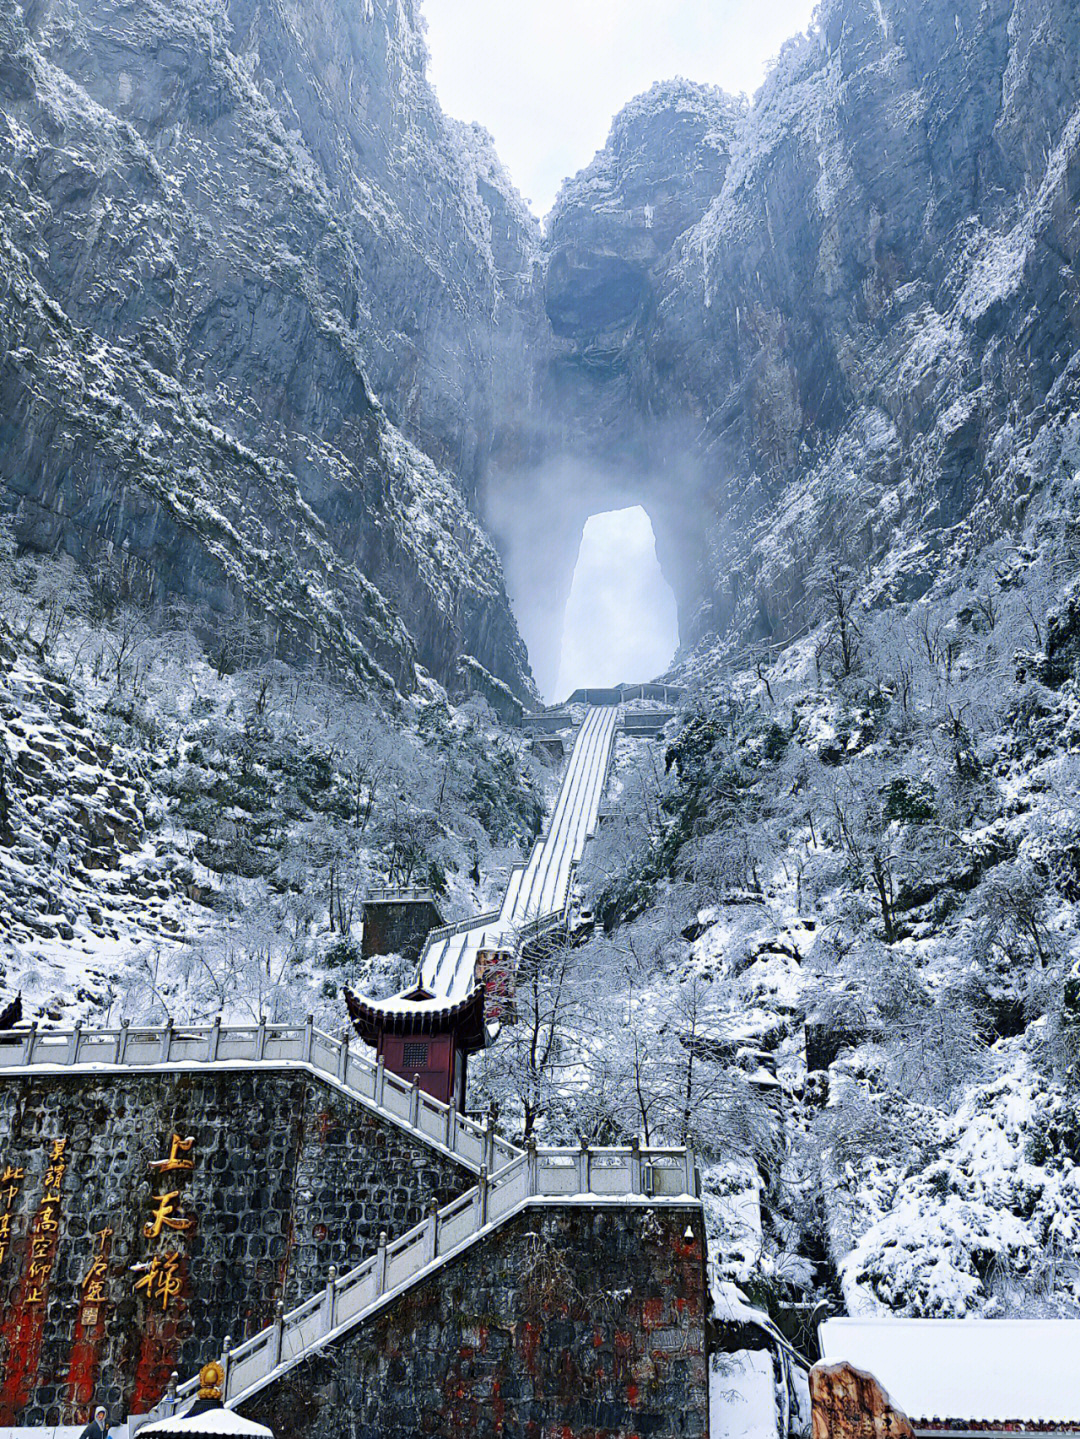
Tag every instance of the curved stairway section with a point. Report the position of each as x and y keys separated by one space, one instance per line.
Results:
x=269 y=1046
x=537 y=897
x=540 y=1176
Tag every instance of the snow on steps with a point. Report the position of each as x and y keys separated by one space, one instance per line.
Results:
x=271 y=1046
x=624 y=1176
x=538 y=893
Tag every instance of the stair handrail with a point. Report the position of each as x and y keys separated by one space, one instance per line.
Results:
x=168 y=1045
x=631 y=1173
x=447 y=931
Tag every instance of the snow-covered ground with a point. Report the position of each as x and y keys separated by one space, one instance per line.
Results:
x=181 y=840
x=742 y=1395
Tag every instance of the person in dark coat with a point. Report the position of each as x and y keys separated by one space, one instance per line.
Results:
x=12 y=1015
x=98 y=1428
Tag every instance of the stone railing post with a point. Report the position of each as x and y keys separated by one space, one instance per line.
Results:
x=260 y=1038
x=166 y=1042
x=489 y=1140
x=414 y=1102
x=226 y=1365
x=635 y=1165
x=121 y=1042
x=309 y=1035
x=432 y=1245
x=330 y=1302
x=343 y=1057
x=278 y=1342
x=583 y=1167
x=482 y=1197
x=689 y=1170
x=170 y=1392
x=28 y=1043
x=73 y=1043
x=451 y=1125
x=532 y=1165
x=380 y=1082
x=213 y=1039
x=380 y=1264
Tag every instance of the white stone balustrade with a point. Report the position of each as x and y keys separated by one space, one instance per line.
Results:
x=629 y=1175
x=216 y=1046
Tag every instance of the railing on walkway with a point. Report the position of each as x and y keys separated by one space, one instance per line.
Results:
x=198 y=1046
x=461 y=926
x=630 y=1174
x=388 y=894
x=548 y=723
x=448 y=970
x=647 y=722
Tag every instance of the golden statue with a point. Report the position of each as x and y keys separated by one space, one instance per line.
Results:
x=211 y=1378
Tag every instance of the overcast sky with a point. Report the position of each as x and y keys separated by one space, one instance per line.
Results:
x=621 y=622
x=546 y=78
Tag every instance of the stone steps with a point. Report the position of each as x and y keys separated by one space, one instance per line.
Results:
x=476 y=1147
x=537 y=897
x=614 y=1176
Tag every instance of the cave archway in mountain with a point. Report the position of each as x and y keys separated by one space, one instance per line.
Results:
x=621 y=620
x=538 y=517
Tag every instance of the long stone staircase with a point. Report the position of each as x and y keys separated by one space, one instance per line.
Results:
x=563 y=1176
x=538 y=893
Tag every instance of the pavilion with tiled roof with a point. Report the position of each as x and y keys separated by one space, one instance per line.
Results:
x=420 y=1035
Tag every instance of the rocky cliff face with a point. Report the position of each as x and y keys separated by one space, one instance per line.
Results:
x=862 y=357
x=606 y=429
x=855 y=331
x=274 y=328
x=252 y=285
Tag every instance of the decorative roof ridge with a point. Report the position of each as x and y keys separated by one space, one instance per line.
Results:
x=418 y=995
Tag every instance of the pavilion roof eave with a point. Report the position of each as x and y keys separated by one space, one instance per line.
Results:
x=407 y=1014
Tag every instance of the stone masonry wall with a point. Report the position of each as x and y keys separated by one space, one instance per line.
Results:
x=285 y=1176
x=398 y=927
x=571 y=1322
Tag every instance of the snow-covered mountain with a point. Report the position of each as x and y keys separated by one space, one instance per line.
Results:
x=248 y=263
x=844 y=383
x=279 y=343
x=844 y=317
x=256 y=299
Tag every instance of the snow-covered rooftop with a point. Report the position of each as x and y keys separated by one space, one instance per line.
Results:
x=217 y=1421
x=966 y=1369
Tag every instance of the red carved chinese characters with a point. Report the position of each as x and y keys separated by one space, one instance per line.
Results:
x=89 y=1331
x=25 y=1324
x=10 y=1184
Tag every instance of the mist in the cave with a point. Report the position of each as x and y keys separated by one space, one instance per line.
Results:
x=621 y=621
